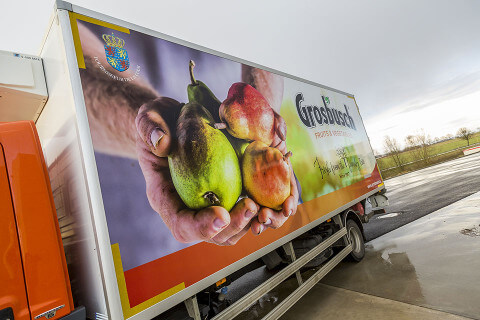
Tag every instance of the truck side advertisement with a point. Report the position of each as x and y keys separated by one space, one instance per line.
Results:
x=203 y=161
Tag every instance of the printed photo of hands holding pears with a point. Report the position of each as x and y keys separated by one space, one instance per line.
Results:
x=227 y=162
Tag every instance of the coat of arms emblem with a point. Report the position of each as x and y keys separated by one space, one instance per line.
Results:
x=117 y=56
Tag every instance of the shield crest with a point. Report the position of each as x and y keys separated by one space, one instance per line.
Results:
x=116 y=55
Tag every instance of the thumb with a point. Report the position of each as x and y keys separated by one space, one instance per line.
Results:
x=156 y=122
x=189 y=226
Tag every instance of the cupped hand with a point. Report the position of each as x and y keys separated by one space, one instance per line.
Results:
x=156 y=123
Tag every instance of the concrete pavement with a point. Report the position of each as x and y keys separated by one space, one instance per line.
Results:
x=337 y=303
x=427 y=269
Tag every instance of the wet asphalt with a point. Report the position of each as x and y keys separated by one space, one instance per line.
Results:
x=416 y=194
x=427 y=269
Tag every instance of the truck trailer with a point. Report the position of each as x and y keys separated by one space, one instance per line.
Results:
x=149 y=172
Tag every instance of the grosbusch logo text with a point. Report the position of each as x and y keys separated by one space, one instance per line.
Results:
x=313 y=115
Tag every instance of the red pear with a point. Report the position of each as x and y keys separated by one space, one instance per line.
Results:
x=266 y=175
x=247 y=114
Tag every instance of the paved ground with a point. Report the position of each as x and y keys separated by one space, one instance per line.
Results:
x=337 y=303
x=419 y=193
x=428 y=269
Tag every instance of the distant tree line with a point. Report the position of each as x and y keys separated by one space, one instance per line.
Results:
x=419 y=145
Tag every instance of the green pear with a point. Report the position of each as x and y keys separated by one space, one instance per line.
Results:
x=203 y=164
x=239 y=145
x=199 y=92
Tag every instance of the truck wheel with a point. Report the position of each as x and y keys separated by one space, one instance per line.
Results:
x=356 y=238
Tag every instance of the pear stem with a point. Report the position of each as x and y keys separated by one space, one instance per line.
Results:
x=212 y=198
x=220 y=125
x=191 y=65
x=287 y=155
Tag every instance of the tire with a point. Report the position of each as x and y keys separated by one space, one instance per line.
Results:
x=356 y=238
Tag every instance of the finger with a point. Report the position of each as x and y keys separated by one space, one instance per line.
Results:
x=289 y=206
x=156 y=122
x=271 y=218
x=257 y=227
x=282 y=146
x=280 y=127
x=240 y=216
x=233 y=240
x=189 y=226
x=294 y=194
x=280 y=134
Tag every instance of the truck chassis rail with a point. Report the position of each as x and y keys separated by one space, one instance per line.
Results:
x=294 y=267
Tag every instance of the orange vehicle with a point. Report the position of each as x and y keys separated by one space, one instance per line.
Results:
x=33 y=273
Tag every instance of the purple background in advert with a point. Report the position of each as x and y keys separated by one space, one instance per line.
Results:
x=140 y=231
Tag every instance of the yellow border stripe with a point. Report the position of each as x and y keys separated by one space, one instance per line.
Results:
x=76 y=36
x=76 y=41
x=380 y=185
x=122 y=288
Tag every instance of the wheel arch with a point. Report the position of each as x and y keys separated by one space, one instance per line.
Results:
x=350 y=214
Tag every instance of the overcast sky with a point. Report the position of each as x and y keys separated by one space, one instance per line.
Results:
x=410 y=64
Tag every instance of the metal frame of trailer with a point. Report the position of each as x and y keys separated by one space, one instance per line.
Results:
x=102 y=259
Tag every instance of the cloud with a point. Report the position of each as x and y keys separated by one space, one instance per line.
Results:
x=458 y=87
x=436 y=119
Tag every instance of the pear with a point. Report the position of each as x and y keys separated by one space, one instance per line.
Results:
x=266 y=175
x=238 y=145
x=247 y=115
x=199 y=92
x=203 y=164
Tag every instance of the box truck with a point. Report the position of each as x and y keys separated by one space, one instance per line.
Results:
x=159 y=171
